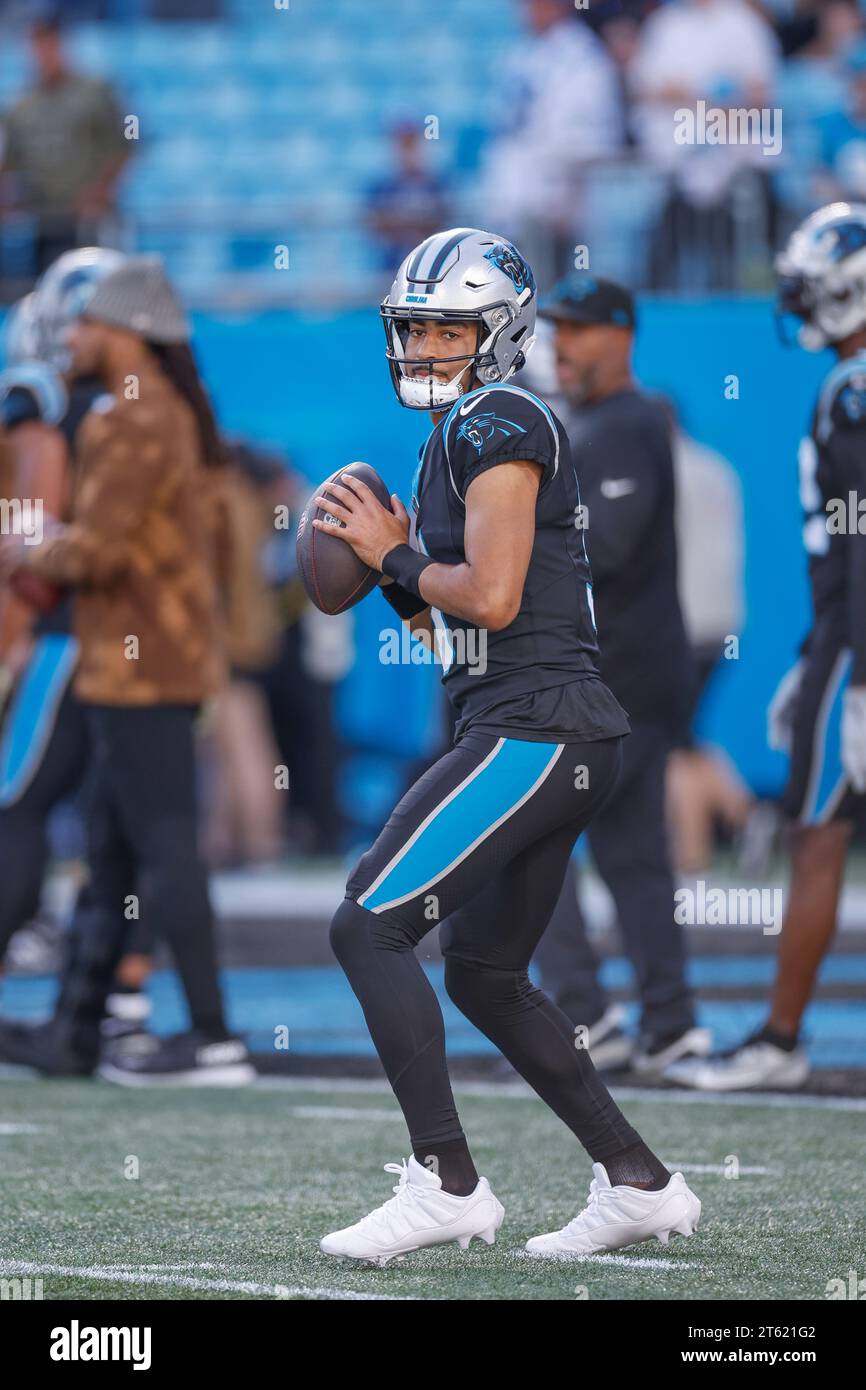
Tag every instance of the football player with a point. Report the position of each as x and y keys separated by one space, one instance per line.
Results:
x=138 y=550
x=492 y=563
x=818 y=714
x=43 y=751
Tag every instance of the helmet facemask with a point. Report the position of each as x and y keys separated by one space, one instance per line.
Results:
x=820 y=286
x=427 y=392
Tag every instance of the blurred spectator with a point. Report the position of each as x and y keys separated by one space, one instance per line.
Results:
x=618 y=24
x=410 y=203
x=63 y=142
x=621 y=452
x=828 y=28
x=723 y=53
x=314 y=652
x=243 y=824
x=703 y=788
x=843 y=138
x=561 y=110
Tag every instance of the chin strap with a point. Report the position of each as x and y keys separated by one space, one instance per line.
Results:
x=424 y=394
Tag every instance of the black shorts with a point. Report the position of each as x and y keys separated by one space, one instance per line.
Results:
x=492 y=822
x=818 y=791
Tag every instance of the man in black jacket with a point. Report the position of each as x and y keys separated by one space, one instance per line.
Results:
x=622 y=455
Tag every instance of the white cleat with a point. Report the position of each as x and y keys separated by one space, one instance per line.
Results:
x=419 y=1214
x=754 y=1066
x=618 y=1216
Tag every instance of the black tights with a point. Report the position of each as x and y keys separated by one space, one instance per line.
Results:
x=407 y=1028
x=480 y=843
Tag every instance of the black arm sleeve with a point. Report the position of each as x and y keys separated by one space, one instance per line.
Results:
x=405 y=604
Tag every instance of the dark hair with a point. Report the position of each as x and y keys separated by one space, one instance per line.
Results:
x=178 y=363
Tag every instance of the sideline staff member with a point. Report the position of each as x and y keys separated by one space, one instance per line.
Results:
x=621 y=450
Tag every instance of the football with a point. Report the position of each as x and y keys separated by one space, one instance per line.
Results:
x=333 y=576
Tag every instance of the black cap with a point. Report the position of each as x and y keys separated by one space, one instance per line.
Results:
x=585 y=298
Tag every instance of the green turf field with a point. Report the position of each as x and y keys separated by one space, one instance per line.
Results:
x=234 y=1189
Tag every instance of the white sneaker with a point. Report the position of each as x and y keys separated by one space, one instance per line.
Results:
x=618 y=1216
x=753 y=1066
x=419 y=1214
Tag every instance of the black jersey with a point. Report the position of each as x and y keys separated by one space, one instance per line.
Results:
x=40 y=395
x=539 y=675
x=832 y=462
x=622 y=453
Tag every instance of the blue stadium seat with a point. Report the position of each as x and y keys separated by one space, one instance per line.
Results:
x=273 y=109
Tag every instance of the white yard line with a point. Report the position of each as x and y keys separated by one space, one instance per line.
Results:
x=126 y=1266
x=132 y=1276
x=518 y=1090
x=11 y=1128
x=718 y=1168
x=621 y=1261
x=342 y=1112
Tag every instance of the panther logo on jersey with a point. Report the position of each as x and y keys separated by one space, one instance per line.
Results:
x=482 y=428
x=512 y=264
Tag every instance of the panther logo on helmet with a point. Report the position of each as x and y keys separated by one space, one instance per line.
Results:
x=509 y=260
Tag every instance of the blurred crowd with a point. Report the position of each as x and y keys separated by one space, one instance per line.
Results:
x=605 y=88
x=580 y=144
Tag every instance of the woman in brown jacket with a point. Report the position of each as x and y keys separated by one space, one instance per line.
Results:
x=139 y=553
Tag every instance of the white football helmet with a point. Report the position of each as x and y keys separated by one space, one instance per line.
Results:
x=21 y=332
x=822 y=275
x=62 y=293
x=467 y=275
x=25 y=366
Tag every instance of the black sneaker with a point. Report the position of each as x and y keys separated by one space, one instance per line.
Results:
x=46 y=1048
x=184 y=1059
x=36 y=949
x=653 y=1056
x=609 y=1045
x=127 y=1013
